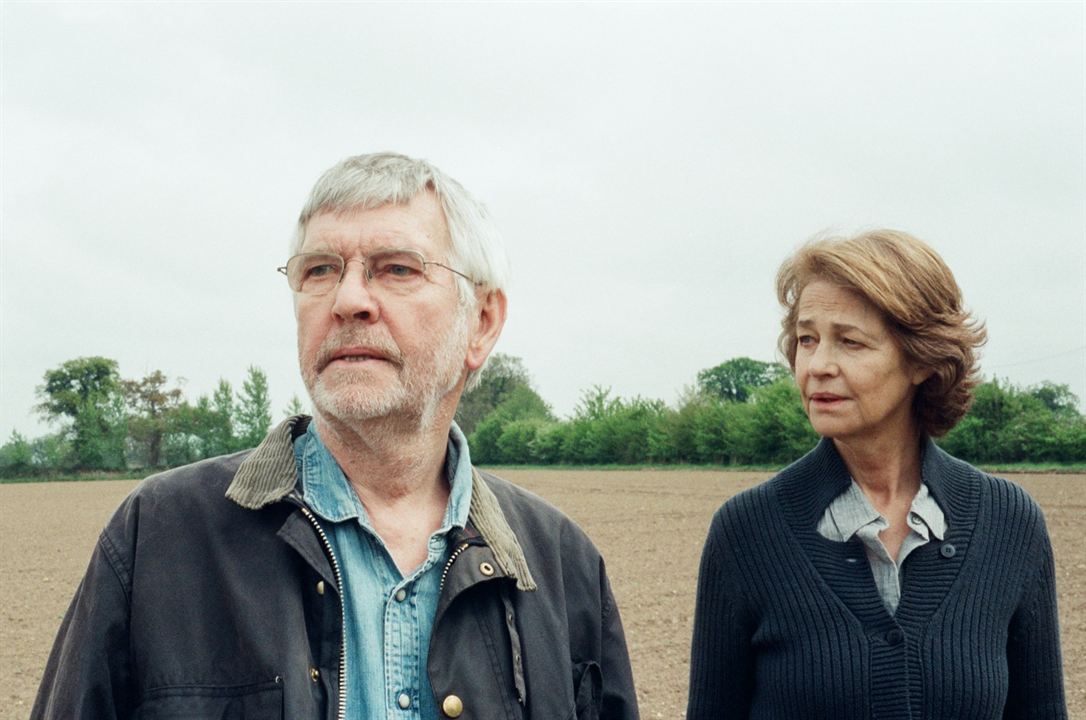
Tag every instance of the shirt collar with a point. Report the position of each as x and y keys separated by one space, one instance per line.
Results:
x=851 y=510
x=329 y=494
x=929 y=512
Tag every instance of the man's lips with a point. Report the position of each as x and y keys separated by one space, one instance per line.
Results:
x=356 y=354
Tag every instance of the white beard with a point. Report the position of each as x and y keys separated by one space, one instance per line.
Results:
x=416 y=393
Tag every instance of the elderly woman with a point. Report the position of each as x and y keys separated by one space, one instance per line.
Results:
x=877 y=577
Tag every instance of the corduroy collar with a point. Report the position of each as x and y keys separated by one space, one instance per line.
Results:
x=269 y=474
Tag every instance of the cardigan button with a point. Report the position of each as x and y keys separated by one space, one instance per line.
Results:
x=948 y=550
x=894 y=637
x=452 y=706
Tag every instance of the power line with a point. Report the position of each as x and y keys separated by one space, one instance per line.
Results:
x=1040 y=359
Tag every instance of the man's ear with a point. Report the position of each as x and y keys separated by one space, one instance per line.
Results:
x=489 y=320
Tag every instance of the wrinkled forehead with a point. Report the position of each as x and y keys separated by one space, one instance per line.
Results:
x=418 y=224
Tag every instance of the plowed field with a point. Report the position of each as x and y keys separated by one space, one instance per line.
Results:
x=650 y=526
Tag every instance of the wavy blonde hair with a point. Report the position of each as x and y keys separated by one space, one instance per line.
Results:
x=920 y=301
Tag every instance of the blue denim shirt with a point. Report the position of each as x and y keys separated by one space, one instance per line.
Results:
x=387 y=617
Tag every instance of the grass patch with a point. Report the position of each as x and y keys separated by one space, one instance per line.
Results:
x=1047 y=468
x=994 y=469
x=649 y=467
x=79 y=477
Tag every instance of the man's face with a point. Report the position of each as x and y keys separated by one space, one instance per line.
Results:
x=366 y=352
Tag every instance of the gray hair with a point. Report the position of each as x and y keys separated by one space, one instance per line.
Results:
x=377 y=179
x=370 y=181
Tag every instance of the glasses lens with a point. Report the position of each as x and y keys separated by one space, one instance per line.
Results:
x=399 y=270
x=314 y=273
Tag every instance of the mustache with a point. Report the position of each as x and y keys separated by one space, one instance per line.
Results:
x=351 y=338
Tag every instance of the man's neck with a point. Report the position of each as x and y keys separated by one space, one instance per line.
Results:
x=397 y=470
x=387 y=461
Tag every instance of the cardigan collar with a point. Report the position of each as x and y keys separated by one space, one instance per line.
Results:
x=269 y=474
x=808 y=486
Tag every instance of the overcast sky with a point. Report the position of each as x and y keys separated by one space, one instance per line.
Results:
x=650 y=166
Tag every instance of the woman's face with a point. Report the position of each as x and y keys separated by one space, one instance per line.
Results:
x=854 y=379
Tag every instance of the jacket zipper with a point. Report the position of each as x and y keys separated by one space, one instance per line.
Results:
x=341 y=704
x=448 y=564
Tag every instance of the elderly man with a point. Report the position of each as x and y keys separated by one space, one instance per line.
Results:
x=354 y=565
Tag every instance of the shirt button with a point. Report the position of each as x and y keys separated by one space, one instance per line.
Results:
x=404 y=701
x=894 y=637
x=486 y=569
x=400 y=595
x=452 y=706
x=948 y=550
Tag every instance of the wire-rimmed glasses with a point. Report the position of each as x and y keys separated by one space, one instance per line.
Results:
x=398 y=271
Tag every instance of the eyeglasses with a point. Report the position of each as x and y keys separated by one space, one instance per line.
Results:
x=398 y=271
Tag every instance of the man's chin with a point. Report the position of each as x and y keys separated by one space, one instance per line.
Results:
x=351 y=403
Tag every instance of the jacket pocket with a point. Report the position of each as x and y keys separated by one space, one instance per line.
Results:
x=587 y=690
x=260 y=701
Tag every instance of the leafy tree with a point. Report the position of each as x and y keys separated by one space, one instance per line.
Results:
x=549 y=440
x=500 y=379
x=294 y=407
x=735 y=379
x=152 y=412
x=780 y=431
x=1057 y=398
x=673 y=439
x=253 y=408
x=1009 y=424
x=86 y=392
x=221 y=421
x=16 y=457
x=607 y=429
x=521 y=403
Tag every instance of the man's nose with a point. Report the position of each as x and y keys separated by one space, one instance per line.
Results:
x=353 y=296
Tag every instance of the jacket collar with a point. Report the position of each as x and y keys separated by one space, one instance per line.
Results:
x=269 y=474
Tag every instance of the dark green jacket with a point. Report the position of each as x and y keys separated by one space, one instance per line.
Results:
x=211 y=594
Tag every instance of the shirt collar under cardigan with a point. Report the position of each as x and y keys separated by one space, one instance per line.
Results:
x=805 y=502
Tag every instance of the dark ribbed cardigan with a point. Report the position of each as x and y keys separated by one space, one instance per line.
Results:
x=789 y=624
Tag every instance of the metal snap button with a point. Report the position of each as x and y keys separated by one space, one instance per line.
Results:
x=320 y=587
x=314 y=674
x=452 y=706
x=404 y=701
x=400 y=595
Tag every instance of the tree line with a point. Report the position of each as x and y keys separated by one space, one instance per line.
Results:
x=741 y=412
x=106 y=422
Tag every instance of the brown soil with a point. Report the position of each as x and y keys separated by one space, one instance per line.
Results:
x=649 y=525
